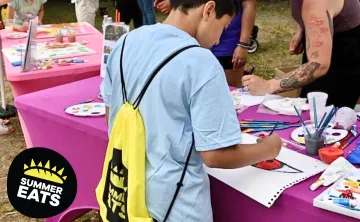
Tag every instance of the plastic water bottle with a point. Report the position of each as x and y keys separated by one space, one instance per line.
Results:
x=104 y=22
x=109 y=20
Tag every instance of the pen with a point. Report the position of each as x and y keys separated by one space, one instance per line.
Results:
x=252 y=71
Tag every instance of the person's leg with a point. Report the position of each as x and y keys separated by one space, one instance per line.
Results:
x=147 y=8
x=137 y=15
x=233 y=77
x=86 y=10
x=141 y=7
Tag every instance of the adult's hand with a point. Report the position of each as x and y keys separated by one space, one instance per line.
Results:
x=163 y=6
x=296 y=47
x=239 y=57
x=256 y=85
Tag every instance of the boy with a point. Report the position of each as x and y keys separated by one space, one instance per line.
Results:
x=189 y=96
x=23 y=10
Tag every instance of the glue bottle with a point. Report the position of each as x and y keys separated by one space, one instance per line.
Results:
x=105 y=20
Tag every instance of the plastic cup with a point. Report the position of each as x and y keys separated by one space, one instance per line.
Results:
x=9 y=24
x=320 y=99
x=313 y=141
x=71 y=35
x=345 y=118
x=59 y=38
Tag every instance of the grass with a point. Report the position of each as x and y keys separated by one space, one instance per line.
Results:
x=275 y=31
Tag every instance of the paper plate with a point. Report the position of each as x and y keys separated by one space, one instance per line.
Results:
x=286 y=105
x=17 y=36
x=87 y=109
x=332 y=135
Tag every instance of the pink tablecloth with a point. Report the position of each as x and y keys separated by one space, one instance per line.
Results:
x=23 y=83
x=83 y=142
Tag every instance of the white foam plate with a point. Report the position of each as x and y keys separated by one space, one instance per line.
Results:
x=17 y=36
x=286 y=105
x=332 y=135
x=86 y=109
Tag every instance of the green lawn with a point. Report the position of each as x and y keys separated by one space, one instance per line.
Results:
x=276 y=28
x=274 y=21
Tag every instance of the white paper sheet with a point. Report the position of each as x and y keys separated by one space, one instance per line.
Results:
x=249 y=100
x=250 y=180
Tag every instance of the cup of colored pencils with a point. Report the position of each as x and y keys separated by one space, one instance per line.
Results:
x=315 y=136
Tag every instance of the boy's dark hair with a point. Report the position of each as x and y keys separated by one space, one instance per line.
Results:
x=223 y=7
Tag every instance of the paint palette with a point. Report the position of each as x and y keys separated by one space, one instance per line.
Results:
x=86 y=109
x=332 y=135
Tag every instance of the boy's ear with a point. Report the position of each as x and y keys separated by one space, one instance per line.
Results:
x=209 y=9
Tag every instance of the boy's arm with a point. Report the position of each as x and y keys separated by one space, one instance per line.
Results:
x=242 y=155
x=216 y=127
x=41 y=14
x=10 y=12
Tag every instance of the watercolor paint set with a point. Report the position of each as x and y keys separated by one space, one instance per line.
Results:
x=343 y=197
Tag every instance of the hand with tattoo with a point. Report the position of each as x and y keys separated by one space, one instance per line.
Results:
x=300 y=77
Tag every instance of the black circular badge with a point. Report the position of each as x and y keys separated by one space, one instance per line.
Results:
x=41 y=183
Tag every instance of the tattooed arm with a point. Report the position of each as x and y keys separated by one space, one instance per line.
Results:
x=319 y=34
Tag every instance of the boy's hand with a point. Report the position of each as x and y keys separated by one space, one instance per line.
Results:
x=274 y=144
x=163 y=6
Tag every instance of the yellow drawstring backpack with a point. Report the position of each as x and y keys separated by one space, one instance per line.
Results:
x=121 y=190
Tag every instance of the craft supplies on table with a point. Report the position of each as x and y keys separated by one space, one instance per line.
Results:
x=45 y=51
x=86 y=109
x=285 y=106
x=345 y=118
x=354 y=155
x=50 y=30
x=317 y=102
x=343 y=197
x=315 y=137
x=252 y=126
x=17 y=35
x=288 y=169
x=332 y=135
x=339 y=168
x=242 y=97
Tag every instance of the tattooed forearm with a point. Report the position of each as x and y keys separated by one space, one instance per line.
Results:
x=331 y=25
x=300 y=77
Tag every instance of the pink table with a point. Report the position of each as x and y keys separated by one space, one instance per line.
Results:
x=23 y=83
x=82 y=141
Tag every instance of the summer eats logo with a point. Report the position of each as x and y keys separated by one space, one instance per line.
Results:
x=41 y=183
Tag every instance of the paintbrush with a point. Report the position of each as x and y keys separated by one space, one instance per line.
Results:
x=301 y=120
x=350 y=141
x=326 y=122
x=274 y=128
x=315 y=113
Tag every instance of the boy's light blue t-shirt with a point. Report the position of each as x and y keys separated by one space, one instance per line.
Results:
x=24 y=9
x=189 y=95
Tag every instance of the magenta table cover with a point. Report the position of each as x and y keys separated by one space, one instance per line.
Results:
x=83 y=142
